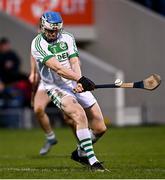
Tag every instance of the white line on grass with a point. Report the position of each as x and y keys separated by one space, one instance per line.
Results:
x=38 y=169
x=66 y=170
x=25 y=169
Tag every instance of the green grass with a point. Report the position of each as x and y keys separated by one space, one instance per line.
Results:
x=133 y=152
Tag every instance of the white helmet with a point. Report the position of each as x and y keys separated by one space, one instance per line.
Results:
x=51 y=25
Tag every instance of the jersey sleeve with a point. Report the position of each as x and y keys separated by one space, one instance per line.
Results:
x=72 y=48
x=39 y=50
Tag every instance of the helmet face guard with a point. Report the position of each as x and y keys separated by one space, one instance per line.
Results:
x=51 y=26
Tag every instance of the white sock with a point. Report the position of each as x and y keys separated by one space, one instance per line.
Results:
x=86 y=142
x=50 y=135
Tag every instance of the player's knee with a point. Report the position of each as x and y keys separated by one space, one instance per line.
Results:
x=100 y=130
x=79 y=117
x=103 y=130
x=39 y=111
x=99 y=126
x=68 y=120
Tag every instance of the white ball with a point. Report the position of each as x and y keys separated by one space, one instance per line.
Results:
x=118 y=82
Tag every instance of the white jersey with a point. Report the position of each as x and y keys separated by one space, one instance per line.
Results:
x=56 y=86
x=63 y=49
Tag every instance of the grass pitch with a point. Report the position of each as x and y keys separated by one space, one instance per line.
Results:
x=133 y=152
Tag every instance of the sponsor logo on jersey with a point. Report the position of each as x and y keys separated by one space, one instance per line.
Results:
x=60 y=50
x=62 y=56
x=58 y=47
x=63 y=45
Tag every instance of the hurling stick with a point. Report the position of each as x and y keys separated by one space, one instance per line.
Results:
x=150 y=83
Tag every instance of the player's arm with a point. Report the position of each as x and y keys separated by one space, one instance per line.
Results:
x=84 y=84
x=33 y=77
x=61 y=70
x=75 y=65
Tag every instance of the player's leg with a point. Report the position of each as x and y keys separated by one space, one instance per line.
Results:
x=94 y=114
x=78 y=154
x=66 y=101
x=75 y=112
x=41 y=100
x=96 y=121
x=70 y=122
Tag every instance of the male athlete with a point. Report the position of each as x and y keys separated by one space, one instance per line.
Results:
x=41 y=100
x=56 y=55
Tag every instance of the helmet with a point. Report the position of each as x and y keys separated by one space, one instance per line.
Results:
x=51 y=25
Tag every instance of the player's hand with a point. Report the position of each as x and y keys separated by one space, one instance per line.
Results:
x=32 y=78
x=86 y=83
x=78 y=88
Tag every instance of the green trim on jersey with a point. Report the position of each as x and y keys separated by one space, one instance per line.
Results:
x=38 y=46
x=47 y=58
x=73 y=55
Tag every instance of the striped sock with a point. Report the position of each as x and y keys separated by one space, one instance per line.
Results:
x=86 y=142
x=81 y=151
x=94 y=139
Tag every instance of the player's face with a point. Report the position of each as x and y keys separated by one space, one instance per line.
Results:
x=51 y=35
